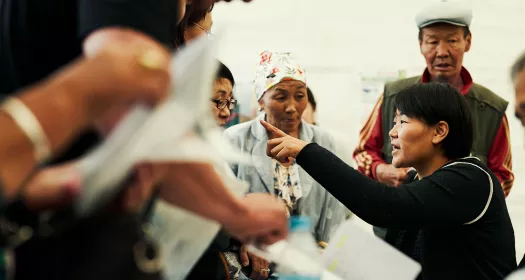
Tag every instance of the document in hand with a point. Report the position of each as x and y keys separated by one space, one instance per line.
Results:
x=183 y=236
x=287 y=256
x=179 y=130
x=354 y=254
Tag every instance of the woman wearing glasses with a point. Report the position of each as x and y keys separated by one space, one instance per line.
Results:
x=196 y=22
x=280 y=86
x=222 y=96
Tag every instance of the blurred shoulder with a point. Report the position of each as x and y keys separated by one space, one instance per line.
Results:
x=239 y=131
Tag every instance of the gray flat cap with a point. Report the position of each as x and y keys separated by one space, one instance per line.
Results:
x=444 y=12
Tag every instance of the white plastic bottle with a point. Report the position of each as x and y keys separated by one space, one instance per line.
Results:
x=303 y=252
x=517 y=275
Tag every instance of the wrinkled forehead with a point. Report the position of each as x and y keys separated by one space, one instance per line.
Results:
x=442 y=30
x=287 y=84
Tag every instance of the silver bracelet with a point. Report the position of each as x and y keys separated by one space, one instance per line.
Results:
x=29 y=124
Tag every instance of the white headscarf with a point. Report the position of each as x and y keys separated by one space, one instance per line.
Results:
x=275 y=67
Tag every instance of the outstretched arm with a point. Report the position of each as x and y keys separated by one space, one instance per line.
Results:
x=451 y=196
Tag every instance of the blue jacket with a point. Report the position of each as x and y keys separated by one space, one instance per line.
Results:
x=325 y=211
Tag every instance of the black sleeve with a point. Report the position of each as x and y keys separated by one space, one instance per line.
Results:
x=156 y=18
x=451 y=196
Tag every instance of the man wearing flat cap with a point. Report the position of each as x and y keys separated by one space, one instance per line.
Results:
x=444 y=38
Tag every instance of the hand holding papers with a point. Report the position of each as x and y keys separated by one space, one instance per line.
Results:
x=177 y=130
x=352 y=254
x=283 y=254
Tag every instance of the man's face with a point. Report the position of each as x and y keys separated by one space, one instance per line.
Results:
x=443 y=46
x=519 y=86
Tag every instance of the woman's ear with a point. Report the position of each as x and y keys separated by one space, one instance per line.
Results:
x=185 y=35
x=469 y=42
x=261 y=105
x=440 y=132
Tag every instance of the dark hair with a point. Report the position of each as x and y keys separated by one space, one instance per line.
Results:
x=225 y=73
x=435 y=102
x=311 y=98
x=518 y=67
x=193 y=14
x=466 y=32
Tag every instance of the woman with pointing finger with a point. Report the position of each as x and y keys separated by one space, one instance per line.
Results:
x=455 y=201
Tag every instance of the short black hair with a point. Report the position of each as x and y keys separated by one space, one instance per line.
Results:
x=193 y=14
x=225 y=73
x=435 y=102
x=311 y=98
x=466 y=32
x=518 y=66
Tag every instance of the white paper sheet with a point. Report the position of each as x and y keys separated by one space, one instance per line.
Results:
x=354 y=254
x=180 y=129
x=284 y=255
x=182 y=236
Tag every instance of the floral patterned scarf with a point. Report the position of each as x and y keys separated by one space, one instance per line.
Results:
x=275 y=67
x=286 y=184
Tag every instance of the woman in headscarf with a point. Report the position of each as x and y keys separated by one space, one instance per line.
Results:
x=280 y=86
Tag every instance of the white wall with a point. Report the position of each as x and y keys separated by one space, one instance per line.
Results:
x=336 y=40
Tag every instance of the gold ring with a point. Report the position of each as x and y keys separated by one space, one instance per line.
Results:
x=151 y=59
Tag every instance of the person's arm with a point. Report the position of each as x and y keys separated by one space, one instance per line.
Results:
x=500 y=157
x=69 y=101
x=56 y=105
x=197 y=187
x=451 y=196
x=368 y=154
x=207 y=195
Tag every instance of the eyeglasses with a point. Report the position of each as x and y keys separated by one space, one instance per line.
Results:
x=222 y=103
x=208 y=33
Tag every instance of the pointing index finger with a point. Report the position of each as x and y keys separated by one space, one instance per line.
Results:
x=273 y=130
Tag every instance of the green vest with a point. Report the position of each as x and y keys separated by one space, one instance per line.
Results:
x=487 y=112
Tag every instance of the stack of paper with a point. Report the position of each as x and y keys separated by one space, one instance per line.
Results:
x=352 y=254
x=181 y=129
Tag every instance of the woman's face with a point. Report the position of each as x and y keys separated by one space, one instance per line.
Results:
x=197 y=29
x=222 y=90
x=413 y=142
x=284 y=105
